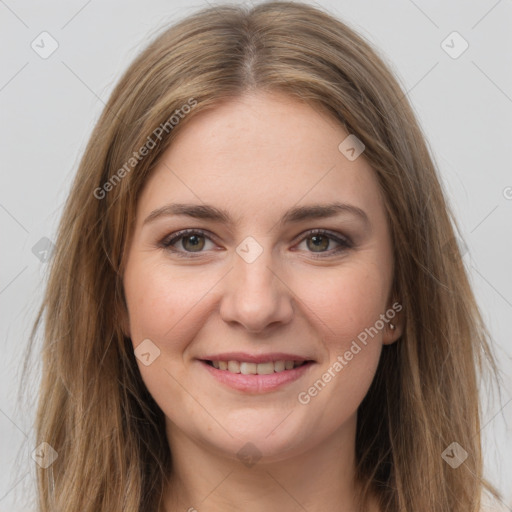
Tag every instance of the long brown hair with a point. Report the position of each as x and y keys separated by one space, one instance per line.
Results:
x=94 y=409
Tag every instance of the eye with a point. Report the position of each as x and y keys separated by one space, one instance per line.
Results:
x=192 y=241
x=195 y=240
x=319 y=239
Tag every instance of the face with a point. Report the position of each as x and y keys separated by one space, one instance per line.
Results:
x=261 y=276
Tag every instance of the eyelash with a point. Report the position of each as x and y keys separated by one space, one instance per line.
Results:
x=166 y=243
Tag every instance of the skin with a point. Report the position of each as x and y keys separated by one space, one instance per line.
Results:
x=257 y=156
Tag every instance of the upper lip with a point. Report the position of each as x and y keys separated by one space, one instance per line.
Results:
x=255 y=358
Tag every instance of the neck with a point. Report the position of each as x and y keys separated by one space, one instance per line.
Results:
x=206 y=480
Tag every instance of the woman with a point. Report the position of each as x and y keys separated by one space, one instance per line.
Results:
x=257 y=299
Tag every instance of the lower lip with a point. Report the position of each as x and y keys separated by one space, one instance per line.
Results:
x=257 y=383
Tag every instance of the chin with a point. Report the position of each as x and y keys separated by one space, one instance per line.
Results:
x=267 y=441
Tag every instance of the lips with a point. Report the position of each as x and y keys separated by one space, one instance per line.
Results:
x=256 y=373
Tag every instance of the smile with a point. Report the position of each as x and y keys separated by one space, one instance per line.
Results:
x=256 y=378
x=248 y=368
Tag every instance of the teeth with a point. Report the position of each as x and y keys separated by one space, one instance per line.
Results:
x=265 y=368
x=279 y=366
x=256 y=368
x=248 y=368
x=234 y=366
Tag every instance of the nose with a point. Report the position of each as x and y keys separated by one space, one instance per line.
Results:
x=255 y=296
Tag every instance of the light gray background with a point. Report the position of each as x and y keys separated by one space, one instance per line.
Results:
x=49 y=106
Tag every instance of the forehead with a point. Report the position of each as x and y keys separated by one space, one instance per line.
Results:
x=261 y=153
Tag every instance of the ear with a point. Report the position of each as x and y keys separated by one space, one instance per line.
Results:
x=394 y=324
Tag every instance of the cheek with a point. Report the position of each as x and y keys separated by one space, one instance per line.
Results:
x=345 y=301
x=347 y=305
x=163 y=307
x=162 y=301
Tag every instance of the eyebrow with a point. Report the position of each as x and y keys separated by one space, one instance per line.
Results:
x=292 y=216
